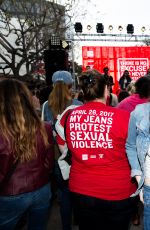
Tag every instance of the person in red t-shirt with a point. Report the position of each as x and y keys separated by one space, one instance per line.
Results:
x=100 y=181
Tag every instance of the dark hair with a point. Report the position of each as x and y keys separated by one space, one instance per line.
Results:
x=105 y=69
x=122 y=95
x=126 y=71
x=93 y=85
x=142 y=87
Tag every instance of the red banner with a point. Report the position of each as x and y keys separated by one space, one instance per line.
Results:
x=134 y=59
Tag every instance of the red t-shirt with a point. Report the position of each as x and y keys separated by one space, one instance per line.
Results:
x=96 y=135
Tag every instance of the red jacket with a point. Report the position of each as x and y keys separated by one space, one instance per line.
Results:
x=30 y=175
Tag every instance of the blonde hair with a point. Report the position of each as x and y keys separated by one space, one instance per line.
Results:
x=131 y=88
x=19 y=122
x=59 y=98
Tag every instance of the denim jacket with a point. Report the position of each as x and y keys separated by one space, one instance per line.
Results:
x=138 y=141
x=47 y=114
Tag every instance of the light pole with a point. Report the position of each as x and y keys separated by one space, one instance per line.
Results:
x=73 y=66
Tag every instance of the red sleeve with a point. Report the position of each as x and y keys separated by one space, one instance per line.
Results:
x=59 y=140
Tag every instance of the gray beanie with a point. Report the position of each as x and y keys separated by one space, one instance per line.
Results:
x=62 y=75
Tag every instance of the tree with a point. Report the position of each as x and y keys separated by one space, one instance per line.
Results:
x=26 y=27
x=1 y=1
x=147 y=42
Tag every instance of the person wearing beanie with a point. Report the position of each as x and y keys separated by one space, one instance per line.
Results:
x=63 y=76
x=59 y=99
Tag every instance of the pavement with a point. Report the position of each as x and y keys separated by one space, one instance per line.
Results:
x=55 y=220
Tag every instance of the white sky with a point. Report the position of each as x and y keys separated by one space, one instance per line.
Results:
x=115 y=12
x=111 y=12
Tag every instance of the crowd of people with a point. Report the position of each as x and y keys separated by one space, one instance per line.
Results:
x=90 y=149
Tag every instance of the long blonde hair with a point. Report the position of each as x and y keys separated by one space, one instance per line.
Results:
x=19 y=122
x=59 y=98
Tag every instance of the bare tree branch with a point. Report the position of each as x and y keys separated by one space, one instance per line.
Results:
x=26 y=27
x=147 y=42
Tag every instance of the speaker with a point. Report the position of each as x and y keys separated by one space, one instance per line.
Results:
x=100 y=28
x=78 y=27
x=130 y=29
x=54 y=60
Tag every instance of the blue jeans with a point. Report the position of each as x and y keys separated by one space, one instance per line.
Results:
x=146 y=218
x=65 y=201
x=36 y=204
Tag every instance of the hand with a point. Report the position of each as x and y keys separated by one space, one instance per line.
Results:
x=141 y=196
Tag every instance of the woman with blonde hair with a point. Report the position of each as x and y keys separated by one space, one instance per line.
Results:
x=131 y=88
x=26 y=159
x=59 y=99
